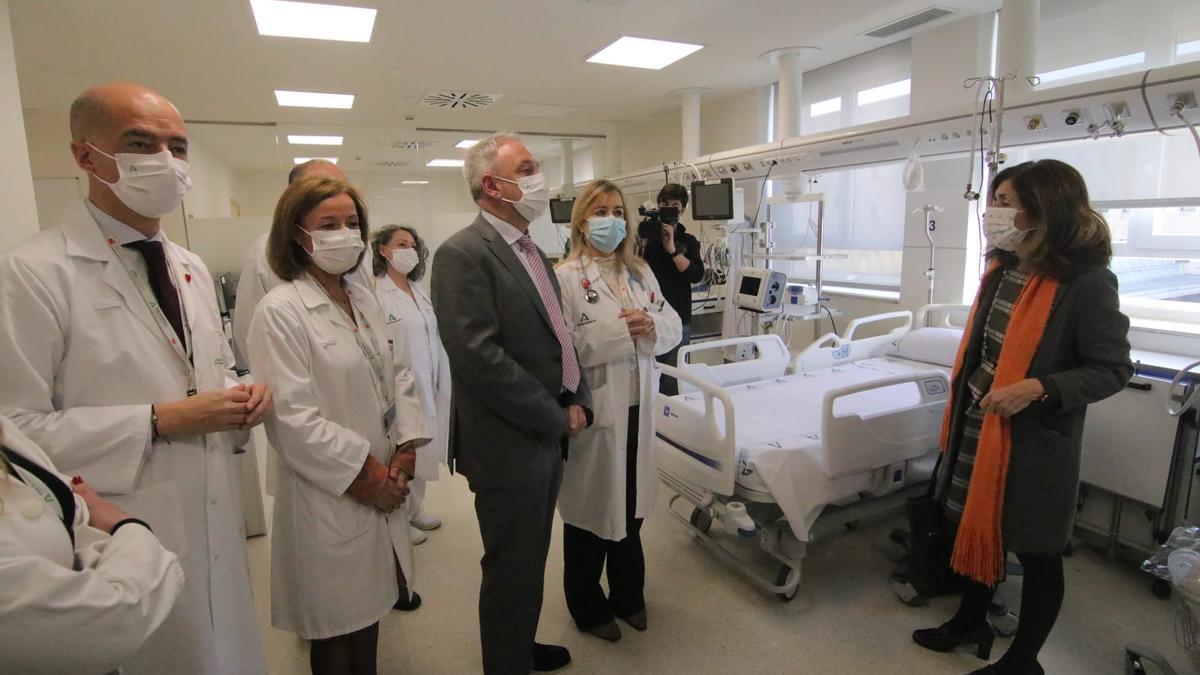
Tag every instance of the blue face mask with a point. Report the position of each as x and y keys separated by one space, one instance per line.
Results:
x=606 y=232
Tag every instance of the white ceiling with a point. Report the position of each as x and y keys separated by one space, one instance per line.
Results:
x=207 y=57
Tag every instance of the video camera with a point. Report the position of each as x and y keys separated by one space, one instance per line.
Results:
x=653 y=221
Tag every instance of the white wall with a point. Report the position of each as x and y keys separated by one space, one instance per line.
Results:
x=16 y=180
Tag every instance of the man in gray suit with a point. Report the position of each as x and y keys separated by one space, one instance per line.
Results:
x=518 y=393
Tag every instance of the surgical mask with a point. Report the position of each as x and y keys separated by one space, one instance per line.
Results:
x=404 y=260
x=335 y=251
x=151 y=185
x=1000 y=228
x=535 y=196
x=606 y=233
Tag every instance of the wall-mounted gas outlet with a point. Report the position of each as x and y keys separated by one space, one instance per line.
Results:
x=1074 y=117
x=1035 y=123
x=1184 y=100
x=1117 y=111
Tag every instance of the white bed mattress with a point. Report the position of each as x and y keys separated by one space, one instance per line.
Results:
x=779 y=432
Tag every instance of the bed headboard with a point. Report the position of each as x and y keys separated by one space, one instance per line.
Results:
x=832 y=349
x=768 y=358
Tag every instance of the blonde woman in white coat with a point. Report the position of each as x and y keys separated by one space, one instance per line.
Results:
x=82 y=584
x=340 y=553
x=399 y=257
x=620 y=322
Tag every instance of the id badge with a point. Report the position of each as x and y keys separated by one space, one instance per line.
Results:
x=389 y=419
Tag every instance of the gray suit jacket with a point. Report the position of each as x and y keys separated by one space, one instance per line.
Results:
x=1083 y=358
x=507 y=417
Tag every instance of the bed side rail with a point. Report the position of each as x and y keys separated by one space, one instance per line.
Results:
x=832 y=349
x=697 y=446
x=853 y=442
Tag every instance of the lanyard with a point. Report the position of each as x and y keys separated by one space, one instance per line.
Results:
x=370 y=349
x=37 y=485
x=142 y=284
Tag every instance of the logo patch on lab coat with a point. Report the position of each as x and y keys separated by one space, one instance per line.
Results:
x=584 y=319
x=392 y=319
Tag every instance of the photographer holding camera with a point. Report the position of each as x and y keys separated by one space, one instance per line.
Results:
x=674 y=257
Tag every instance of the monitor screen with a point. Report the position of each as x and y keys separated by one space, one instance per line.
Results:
x=712 y=199
x=560 y=210
x=750 y=285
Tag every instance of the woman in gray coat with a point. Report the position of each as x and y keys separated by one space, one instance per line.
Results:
x=1046 y=338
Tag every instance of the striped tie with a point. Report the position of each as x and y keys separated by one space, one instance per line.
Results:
x=541 y=279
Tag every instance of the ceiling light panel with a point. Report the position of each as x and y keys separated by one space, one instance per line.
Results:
x=310 y=99
x=295 y=139
x=634 y=52
x=414 y=182
x=445 y=163
x=466 y=144
x=279 y=18
x=301 y=160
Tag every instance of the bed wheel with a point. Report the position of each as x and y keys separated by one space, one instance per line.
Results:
x=701 y=520
x=1161 y=588
x=786 y=575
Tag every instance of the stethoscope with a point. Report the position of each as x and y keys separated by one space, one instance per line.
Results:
x=590 y=295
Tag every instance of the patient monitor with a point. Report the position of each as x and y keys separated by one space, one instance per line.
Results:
x=759 y=289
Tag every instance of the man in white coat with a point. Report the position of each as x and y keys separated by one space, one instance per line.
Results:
x=117 y=366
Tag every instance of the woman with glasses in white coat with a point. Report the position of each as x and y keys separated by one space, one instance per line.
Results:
x=619 y=322
x=340 y=551
x=399 y=258
x=82 y=584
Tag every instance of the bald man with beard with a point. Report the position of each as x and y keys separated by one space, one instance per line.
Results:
x=115 y=363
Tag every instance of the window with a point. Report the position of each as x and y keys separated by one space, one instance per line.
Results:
x=862 y=89
x=1144 y=186
x=829 y=105
x=864 y=219
x=1081 y=40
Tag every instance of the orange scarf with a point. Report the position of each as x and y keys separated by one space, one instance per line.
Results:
x=979 y=548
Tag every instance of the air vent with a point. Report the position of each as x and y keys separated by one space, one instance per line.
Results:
x=458 y=100
x=909 y=22
x=408 y=145
x=390 y=163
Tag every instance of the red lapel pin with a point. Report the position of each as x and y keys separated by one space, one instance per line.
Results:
x=187 y=278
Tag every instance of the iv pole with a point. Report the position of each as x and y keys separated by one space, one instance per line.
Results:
x=930 y=226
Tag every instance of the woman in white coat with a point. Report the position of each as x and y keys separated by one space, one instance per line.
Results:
x=620 y=322
x=340 y=553
x=82 y=584
x=398 y=260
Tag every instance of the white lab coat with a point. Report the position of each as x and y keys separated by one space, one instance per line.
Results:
x=594 y=479
x=332 y=558
x=82 y=361
x=256 y=280
x=82 y=607
x=412 y=327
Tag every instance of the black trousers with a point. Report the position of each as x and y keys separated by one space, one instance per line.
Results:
x=515 y=526
x=585 y=557
x=668 y=385
x=350 y=654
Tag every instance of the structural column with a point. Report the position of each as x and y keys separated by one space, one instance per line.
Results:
x=16 y=178
x=613 y=132
x=690 y=108
x=1017 y=44
x=787 y=99
x=568 y=166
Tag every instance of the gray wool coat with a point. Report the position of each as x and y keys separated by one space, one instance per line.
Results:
x=1083 y=357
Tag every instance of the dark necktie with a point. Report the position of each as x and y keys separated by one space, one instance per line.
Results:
x=159 y=275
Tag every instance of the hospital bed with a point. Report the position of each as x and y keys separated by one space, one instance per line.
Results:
x=787 y=449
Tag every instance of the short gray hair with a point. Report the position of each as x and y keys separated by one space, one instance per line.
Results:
x=481 y=160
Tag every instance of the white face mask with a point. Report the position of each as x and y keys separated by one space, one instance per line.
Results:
x=1000 y=228
x=151 y=185
x=404 y=260
x=535 y=196
x=335 y=251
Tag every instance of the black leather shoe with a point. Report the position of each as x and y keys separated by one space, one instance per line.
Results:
x=637 y=619
x=607 y=631
x=549 y=657
x=408 y=601
x=941 y=639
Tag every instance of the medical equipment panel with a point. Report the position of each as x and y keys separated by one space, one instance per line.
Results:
x=712 y=199
x=760 y=289
x=560 y=210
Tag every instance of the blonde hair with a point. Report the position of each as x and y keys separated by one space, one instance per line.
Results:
x=585 y=201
